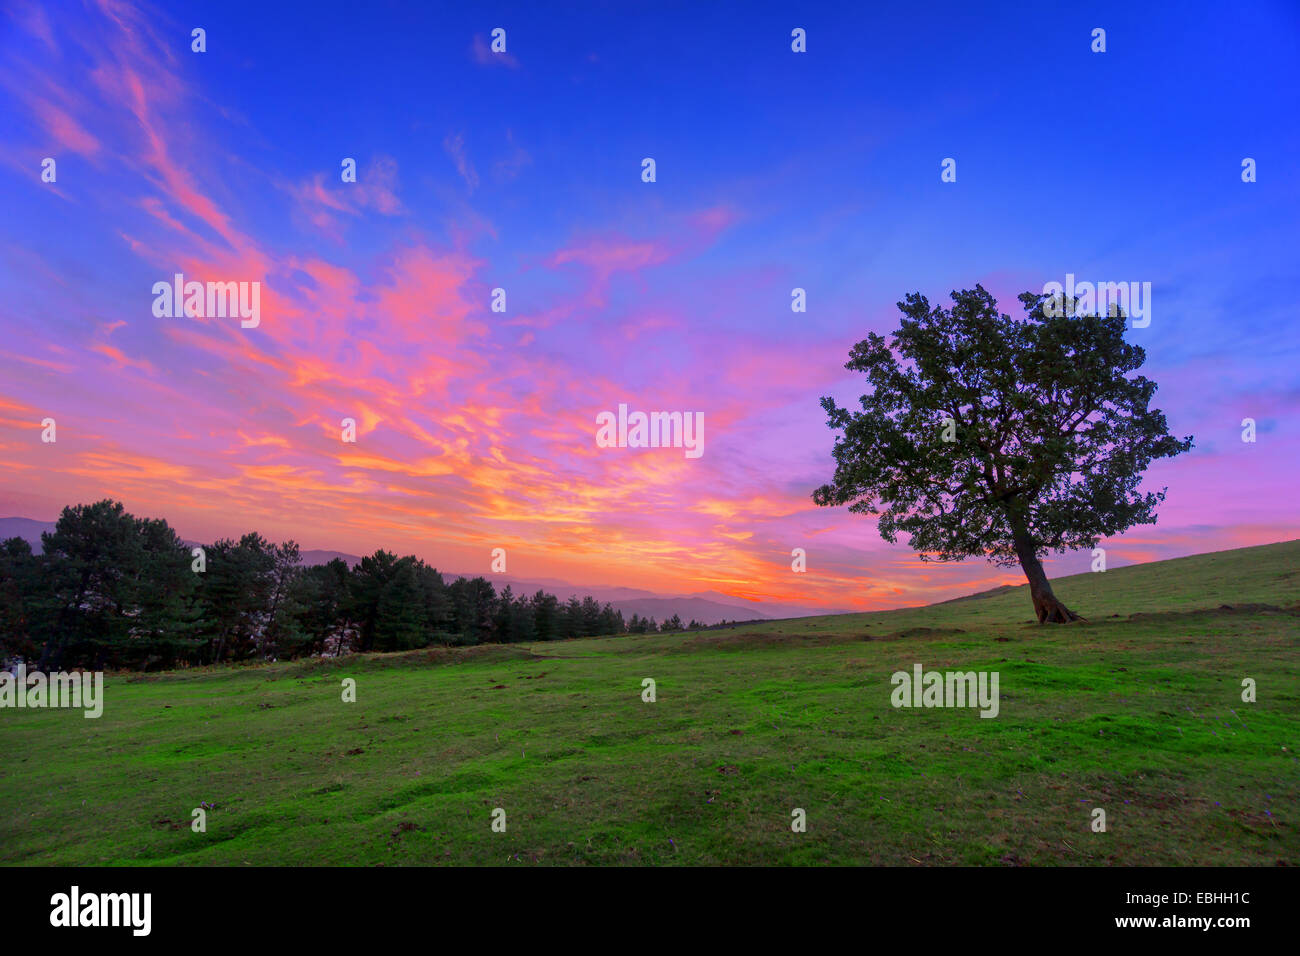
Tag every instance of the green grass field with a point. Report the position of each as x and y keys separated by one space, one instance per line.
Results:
x=1138 y=712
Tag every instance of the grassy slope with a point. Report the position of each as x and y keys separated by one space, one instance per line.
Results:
x=1139 y=713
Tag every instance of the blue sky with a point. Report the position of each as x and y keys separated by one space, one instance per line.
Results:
x=774 y=170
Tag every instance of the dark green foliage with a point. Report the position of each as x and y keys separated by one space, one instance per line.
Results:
x=400 y=622
x=546 y=616
x=987 y=436
x=20 y=618
x=234 y=592
x=114 y=591
x=322 y=593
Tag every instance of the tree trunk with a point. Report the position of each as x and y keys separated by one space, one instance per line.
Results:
x=1046 y=605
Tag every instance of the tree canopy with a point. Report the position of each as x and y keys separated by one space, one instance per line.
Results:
x=983 y=435
x=110 y=590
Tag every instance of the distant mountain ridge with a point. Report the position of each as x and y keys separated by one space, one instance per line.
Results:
x=707 y=607
x=26 y=528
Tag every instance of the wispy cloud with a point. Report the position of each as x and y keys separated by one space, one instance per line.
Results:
x=454 y=144
x=476 y=428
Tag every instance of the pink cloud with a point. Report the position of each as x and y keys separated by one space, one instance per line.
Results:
x=323 y=195
x=607 y=255
x=64 y=130
x=715 y=219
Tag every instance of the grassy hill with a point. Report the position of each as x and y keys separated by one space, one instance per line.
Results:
x=1138 y=712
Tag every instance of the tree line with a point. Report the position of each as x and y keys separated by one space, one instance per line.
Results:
x=113 y=591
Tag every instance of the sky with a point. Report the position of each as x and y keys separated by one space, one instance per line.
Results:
x=522 y=170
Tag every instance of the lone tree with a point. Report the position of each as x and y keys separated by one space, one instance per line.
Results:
x=988 y=436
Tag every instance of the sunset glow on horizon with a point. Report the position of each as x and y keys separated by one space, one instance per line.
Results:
x=477 y=429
